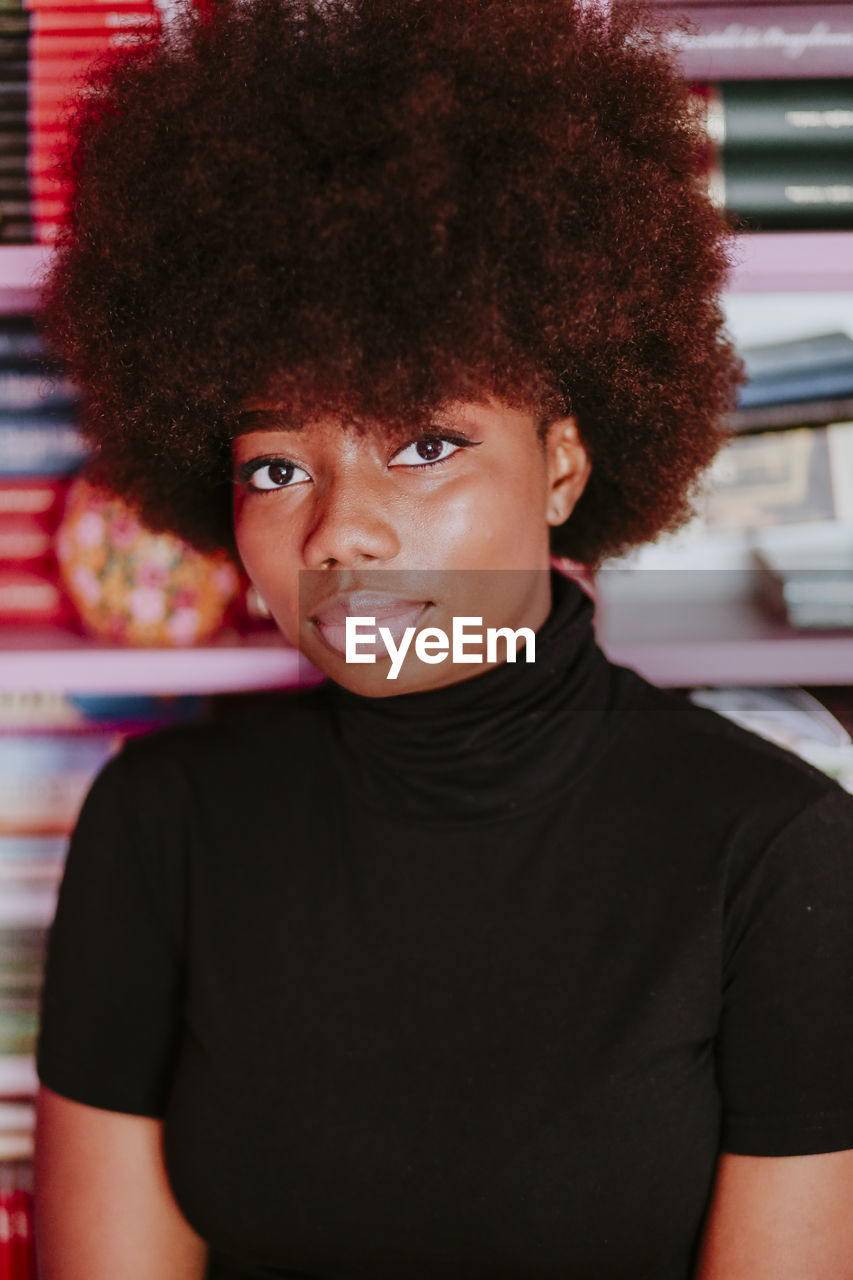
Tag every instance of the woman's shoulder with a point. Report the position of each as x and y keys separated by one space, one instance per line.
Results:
x=705 y=754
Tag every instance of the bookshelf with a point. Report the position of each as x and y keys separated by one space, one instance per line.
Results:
x=55 y=660
x=679 y=641
x=675 y=639
x=20 y=266
x=680 y=628
x=764 y=262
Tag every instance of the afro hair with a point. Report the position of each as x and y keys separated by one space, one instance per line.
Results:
x=372 y=207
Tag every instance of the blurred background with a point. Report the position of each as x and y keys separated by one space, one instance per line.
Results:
x=108 y=630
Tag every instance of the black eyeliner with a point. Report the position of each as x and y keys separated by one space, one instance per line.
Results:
x=464 y=442
x=244 y=472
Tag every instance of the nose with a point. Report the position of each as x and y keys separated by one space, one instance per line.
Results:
x=351 y=525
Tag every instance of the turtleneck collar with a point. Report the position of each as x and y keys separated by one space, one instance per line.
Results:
x=489 y=746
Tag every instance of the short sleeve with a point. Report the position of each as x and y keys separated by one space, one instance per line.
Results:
x=785 y=1041
x=111 y=1002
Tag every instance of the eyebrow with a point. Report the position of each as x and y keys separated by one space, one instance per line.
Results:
x=266 y=420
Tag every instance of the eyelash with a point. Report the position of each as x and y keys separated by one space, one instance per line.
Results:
x=247 y=469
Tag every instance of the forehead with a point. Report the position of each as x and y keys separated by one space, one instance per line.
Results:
x=259 y=416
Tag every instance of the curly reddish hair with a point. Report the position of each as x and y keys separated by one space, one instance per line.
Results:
x=374 y=206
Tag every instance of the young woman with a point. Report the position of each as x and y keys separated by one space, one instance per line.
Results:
x=511 y=969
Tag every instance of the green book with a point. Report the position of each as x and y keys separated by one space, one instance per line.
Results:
x=786 y=188
x=781 y=113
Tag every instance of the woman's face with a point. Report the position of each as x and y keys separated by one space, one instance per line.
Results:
x=413 y=533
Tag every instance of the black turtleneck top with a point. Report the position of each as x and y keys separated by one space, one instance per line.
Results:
x=474 y=982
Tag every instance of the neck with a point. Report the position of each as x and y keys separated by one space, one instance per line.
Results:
x=492 y=745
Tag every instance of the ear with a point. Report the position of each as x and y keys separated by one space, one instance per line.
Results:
x=567 y=469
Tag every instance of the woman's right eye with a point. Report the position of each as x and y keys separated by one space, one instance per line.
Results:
x=278 y=474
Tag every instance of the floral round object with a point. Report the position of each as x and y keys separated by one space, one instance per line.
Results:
x=136 y=587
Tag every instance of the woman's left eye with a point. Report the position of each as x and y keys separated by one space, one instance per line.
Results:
x=429 y=450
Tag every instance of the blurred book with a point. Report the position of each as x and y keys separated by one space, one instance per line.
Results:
x=43 y=445
x=44 y=778
x=22 y=957
x=818 y=368
x=29 y=862
x=745 y=115
x=17 y=1237
x=776 y=189
x=66 y=37
x=15 y=206
x=796 y=413
x=798 y=356
x=759 y=41
x=30 y=595
x=42 y=711
x=27 y=386
x=19 y=338
x=807 y=583
x=17 y=1125
x=781 y=477
x=795 y=383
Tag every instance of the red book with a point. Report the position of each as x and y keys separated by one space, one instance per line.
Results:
x=50 y=99
x=25 y=539
x=32 y=596
x=46 y=120
x=49 y=199
x=21 y=1242
x=73 y=21
x=40 y=498
x=6 y=1272
x=48 y=210
x=93 y=6
x=54 y=45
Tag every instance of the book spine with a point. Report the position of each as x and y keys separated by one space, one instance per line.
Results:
x=14 y=186
x=47 y=46
x=55 y=449
x=93 y=6
x=27 y=390
x=25 y=539
x=805 y=355
x=785 y=189
x=30 y=596
x=822 y=384
x=807 y=413
x=35 y=498
x=19 y=340
x=781 y=113
x=751 y=42
x=91 y=21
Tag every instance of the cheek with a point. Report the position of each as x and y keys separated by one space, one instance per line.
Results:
x=499 y=521
x=251 y=539
x=268 y=558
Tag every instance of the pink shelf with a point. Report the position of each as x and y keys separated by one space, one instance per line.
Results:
x=793 y=262
x=673 y=642
x=678 y=630
x=770 y=262
x=783 y=659
x=58 y=661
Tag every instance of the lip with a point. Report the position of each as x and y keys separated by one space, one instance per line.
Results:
x=364 y=604
x=392 y=612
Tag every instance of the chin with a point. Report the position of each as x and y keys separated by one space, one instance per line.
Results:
x=371 y=680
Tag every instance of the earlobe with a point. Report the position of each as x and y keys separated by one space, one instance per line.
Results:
x=568 y=469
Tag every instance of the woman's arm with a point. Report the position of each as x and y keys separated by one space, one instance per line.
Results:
x=780 y=1218
x=103 y=1205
